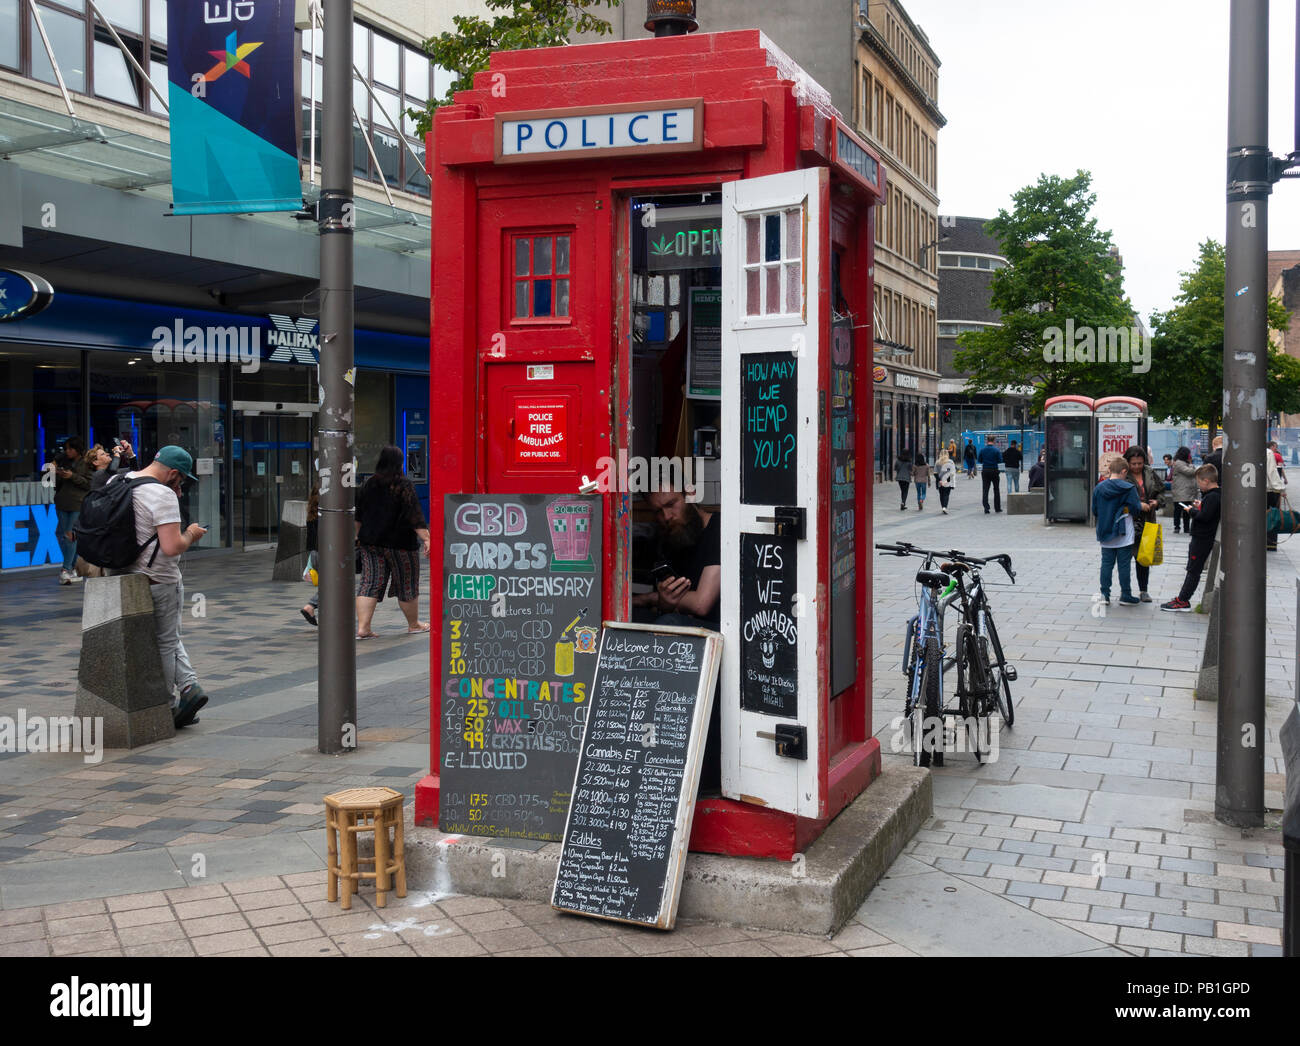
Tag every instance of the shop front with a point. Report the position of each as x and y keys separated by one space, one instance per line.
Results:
x=682 y=273
x=239 y=392
x=906 y=420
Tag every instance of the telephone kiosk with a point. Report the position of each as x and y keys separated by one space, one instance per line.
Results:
x=666 y=246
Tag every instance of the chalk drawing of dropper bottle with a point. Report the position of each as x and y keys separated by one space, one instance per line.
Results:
x=564 y=648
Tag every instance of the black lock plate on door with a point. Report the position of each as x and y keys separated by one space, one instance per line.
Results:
x=791 y=740
x=788 y=521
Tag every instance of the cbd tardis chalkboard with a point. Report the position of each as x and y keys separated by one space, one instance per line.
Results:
x=634 y=791
x=521 y=608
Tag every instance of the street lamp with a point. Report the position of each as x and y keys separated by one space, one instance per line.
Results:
x=926 y=246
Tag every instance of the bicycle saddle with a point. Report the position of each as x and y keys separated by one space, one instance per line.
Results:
x=933 y=578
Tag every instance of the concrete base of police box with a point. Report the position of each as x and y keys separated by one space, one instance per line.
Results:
x=816 y=893
x=119 y=678
x=1030 y=503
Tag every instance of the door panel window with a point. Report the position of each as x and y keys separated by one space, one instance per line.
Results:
x=541 y=277
x=773 y=264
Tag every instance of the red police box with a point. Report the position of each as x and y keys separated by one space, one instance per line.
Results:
x=637 y=241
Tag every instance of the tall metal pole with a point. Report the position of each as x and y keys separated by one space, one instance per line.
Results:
x=336 y=655
x=1239 y=776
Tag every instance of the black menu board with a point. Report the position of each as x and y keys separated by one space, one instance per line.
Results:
x=521 y=614
x=769 y=633
x=843 y=508
x=634 y=792
x=769 y=402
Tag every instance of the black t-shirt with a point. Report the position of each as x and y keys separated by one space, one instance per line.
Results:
x=1011 y=458
x=690 y=563
x=389 y=513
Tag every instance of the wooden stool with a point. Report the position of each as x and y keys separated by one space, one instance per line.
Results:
x=365 y=810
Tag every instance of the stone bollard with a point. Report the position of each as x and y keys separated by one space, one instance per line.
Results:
x=291 y=545
x=1207 y=682
x=120 y=675
x=1211 y=575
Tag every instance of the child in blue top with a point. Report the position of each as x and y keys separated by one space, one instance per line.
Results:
x=1116 y=505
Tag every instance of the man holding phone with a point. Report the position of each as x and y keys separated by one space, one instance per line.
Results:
x=158 y=532
x=688 y=571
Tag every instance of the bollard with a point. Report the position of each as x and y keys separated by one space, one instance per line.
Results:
x=1207 y=680
x=291 y=543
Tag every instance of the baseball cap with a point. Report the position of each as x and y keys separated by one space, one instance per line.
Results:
x=176 y=458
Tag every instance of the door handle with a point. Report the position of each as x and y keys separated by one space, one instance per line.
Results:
x=791 y=740
x=789 y=521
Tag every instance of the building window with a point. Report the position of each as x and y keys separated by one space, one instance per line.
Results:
x=773 y=266
x=541 y=275
x=957 y=260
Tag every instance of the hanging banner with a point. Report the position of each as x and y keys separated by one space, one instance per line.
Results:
x=234 y=123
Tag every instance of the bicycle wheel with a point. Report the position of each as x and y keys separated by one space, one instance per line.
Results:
x=997 y=664
x=925 y=710
x=979 y=702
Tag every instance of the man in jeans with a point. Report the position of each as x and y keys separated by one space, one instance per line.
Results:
x=990 y=462
x=158 y=516
x=1011 y=459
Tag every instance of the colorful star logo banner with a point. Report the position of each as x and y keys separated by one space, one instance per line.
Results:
x=234 y=122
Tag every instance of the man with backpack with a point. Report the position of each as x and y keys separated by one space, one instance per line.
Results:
x=133 y=525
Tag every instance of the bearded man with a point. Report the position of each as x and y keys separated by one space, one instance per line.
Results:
x=690 y=541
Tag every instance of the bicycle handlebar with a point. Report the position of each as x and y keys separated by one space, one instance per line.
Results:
x=904 y=548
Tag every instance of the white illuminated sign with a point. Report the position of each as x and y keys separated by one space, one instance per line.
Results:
x=606 y=130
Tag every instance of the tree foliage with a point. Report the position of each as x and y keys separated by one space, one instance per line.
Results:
x=1061 y=272
x=1186 y=377
x=522 y=24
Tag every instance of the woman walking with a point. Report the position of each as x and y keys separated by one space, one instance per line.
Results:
x=392 y=535
x=1151 y=494
x=946 y=475
x=903 y=474
x=1183 y=488
x=308 y=609
x=73 y=473
x=920 y=479
x=968 y=455
x=1276 y=488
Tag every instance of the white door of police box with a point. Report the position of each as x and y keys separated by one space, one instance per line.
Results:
x=770 y=527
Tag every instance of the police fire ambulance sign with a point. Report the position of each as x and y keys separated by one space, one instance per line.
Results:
x=541 y=431
x=607 y=130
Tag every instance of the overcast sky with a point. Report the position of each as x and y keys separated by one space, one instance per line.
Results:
x=1134 y=91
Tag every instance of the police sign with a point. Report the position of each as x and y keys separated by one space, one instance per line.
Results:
x=22 y=294
x=609 y=130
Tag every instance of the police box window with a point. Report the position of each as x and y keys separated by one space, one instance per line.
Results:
x=540 y=276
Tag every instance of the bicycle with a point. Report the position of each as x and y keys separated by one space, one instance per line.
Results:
x=983 y=675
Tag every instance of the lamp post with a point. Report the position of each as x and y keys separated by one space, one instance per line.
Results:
x=671 y=17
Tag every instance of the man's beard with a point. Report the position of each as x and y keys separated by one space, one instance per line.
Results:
x=686 y=535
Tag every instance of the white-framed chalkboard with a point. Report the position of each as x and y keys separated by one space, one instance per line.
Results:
x=633 y=802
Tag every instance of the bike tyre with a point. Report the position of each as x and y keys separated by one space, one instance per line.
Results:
x=927 y=710
x=997 y=660
x=980 y=702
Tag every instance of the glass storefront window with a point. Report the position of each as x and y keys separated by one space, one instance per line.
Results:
x=39 y=409
x=374 y=418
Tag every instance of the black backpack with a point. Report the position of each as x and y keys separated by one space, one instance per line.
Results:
x=106 y=526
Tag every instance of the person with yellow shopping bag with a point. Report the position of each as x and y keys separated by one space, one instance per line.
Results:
x=1151 y=495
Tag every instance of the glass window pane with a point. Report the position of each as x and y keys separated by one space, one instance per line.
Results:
x=985 y=263
x=794 y=287
x=416 y=180
x=967 y=262
x=561 y=254
x=385 y=102
x=308 y=73
x=521 y=298
x=752 y=294
x=158 y=20
x=794 y=233
x=541 y=297
x=388 y=149
x=417 y=73
x=313 y=41
x=125 y=14
x=360 y=154
x=305 y=151
x=442 y=81
x=387 y=61
x=68 y=38
x=751 y=240
x=158 y=75
x=9 y=33
x=771 y=237
x=410 y=123
x=521 y=256
x=361 y=48
x=772 y=292
x=542 y=255
x=561 y=297
x=360 y=98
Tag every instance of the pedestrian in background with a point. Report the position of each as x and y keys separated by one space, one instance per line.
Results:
x=990 y=462
x=1151 y=494
x=952 y=450
x=920 y=479
x=1276 y=487
x=392 y=534
x=1116 y=507
x=1012 y=459
x=1038 y=470
x=1183 y=489
x=313 y=557
x=1215 y=457
x=1204 y=524
x=903 y=475
x=73 y=472
x=968 y=456
x=946 y=475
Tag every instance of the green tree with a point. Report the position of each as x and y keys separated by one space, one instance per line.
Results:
x=522 y=24
x=1186 y=377
x=1062 y=276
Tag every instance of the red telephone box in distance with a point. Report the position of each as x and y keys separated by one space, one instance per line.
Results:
x=591 y=204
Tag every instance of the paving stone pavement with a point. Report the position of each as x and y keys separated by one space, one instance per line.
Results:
x=1091 y=833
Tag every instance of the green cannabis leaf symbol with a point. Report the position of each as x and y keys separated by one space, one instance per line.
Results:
x=663 y=246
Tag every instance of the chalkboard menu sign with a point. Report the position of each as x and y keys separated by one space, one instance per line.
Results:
x=634 y=791
x=521 y=614
x=769 y=633
x=768 y=404
x=843 y=524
